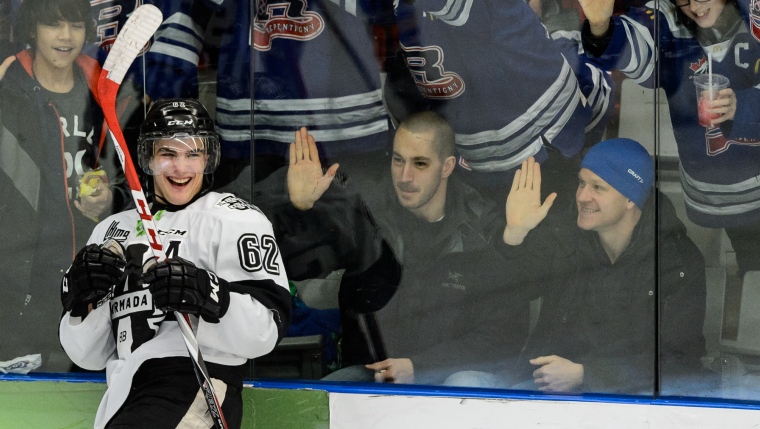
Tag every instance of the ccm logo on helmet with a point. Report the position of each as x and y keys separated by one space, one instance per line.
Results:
x=178 y=122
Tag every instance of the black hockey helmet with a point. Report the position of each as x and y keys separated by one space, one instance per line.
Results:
x=183 y=123
x=184 y=120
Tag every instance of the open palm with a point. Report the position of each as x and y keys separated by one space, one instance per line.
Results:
x=524 y=208
x=598 y=13
x=306 y=182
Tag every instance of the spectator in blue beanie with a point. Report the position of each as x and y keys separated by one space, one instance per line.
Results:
x=601 y=268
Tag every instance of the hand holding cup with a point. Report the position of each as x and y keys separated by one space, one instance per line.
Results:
x=714 y=99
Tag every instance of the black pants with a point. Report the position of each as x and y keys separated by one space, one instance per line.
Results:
x=163 y=391
x=745 y=240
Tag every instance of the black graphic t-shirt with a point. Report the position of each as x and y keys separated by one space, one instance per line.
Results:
x=80 y=146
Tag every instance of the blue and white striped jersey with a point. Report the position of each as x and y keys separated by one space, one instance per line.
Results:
x=169 y=67
x=498 y=78
x=720 y=165
x=314 y=66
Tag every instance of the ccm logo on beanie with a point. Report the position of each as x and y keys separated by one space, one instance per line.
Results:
x=636 y=176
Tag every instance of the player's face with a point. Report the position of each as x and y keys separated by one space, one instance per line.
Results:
x=58 y=44
x=600 y=206
x=704 y=14
x=417 y=170
x=178 y=165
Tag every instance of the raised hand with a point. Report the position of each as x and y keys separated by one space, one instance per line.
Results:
x=306 y=182
x=598 y=13
x=524 y=208
x=4 y=66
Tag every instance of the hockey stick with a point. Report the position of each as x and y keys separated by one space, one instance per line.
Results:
x=136 y=32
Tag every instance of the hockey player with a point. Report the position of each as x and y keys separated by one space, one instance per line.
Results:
x=444 y=311
x=223 y=269
x=719 y=163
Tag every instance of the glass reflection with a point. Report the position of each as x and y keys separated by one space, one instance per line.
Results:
x=370 y=272
x=59 y=177
x=696 y=40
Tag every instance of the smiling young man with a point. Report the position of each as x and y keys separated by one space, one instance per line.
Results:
x=605 y=210
x=177 y=165
x=421 y=164
x=223 y=269
x=594 y=264
x=445 y=311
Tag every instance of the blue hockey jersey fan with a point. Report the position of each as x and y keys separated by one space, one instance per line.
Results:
x=168 y=67
x=719 y=165
x=491 y=70
x=314 y=66
x=595 y=84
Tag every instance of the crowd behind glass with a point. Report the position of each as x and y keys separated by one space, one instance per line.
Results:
x=381 y=140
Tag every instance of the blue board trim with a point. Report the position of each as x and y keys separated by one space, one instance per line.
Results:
x=425 y=391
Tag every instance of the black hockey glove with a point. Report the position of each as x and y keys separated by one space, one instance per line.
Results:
x=90 y=277
x=178 y=285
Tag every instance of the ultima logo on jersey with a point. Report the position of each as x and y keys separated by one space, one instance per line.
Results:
x=115 y=232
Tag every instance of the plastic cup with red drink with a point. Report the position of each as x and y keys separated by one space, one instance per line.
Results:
x=707 y=91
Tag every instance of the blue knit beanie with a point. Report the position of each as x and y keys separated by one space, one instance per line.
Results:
x=625 y=165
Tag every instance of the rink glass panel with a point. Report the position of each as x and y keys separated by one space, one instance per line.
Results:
x=325 y=69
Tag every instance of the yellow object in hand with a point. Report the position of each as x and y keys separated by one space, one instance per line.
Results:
x=90 y=183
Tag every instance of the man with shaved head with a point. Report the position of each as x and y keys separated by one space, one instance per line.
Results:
x=447 y=311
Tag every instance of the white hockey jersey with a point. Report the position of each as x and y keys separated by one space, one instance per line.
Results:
x=218 y=232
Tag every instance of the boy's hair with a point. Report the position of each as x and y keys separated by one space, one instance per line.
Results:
x=49 y=12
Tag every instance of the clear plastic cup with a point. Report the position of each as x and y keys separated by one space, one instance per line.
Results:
x=707 y=93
